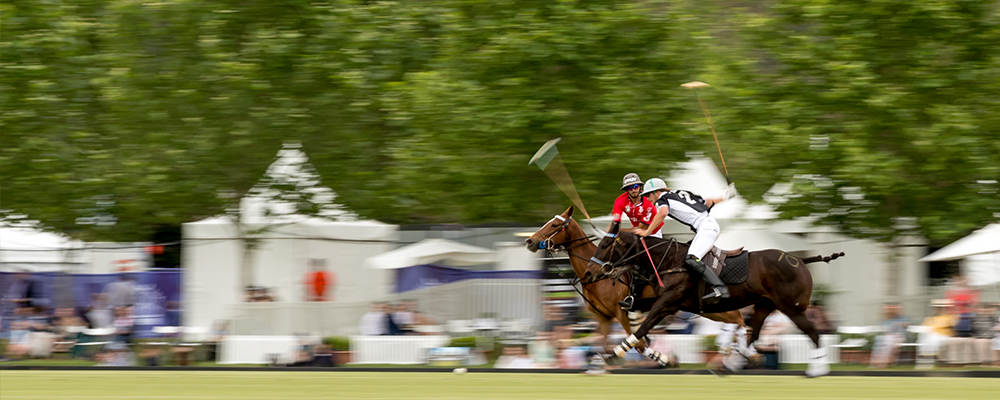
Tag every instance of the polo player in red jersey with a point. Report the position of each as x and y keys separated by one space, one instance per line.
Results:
x=640 y=212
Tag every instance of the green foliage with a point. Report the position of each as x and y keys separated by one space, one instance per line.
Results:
x=338 y=343
x=119 y=117
x=468 y=341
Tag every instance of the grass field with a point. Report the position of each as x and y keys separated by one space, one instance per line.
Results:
x=40 y=385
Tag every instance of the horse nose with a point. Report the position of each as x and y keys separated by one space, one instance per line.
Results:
x=528 y=241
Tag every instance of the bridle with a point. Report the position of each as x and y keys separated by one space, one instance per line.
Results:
x=548 y=245
x=608 y=267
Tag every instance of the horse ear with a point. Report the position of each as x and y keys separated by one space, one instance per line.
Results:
x=569 y=211
x=614 y=227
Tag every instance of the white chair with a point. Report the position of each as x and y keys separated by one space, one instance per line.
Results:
x=920 y=362
x=852 y=343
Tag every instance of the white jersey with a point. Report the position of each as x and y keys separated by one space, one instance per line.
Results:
x=685 y=207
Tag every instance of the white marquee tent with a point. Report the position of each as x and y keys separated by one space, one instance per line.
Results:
x=213 y=262
x=431 y=251
x=979 y=252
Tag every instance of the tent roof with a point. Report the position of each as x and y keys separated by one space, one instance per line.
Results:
x=756 y=237
x=430 y=251
x=307 y=228
x=984 y=240
x=29 y=245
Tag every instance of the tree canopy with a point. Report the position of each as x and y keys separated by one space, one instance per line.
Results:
x=118 y=117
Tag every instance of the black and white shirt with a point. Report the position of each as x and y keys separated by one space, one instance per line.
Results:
x=685 y=207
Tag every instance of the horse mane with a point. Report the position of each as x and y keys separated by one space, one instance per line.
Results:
x=827 y=260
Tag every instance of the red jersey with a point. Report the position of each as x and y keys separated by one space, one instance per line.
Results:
x=642 y=213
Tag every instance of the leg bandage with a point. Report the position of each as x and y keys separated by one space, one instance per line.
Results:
x=625 y=346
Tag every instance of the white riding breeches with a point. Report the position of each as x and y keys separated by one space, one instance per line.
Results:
x=704 y=238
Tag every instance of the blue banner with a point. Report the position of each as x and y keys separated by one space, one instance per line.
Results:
x=420 y=276
x=157 y=295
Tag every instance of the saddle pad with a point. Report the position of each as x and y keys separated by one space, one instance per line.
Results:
x=736 y=269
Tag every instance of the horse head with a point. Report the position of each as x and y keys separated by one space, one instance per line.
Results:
x=552 y=233
x=614 y=249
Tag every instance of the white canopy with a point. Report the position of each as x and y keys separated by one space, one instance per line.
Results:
x=760 y=237
x=430 y=251
x=985 y=240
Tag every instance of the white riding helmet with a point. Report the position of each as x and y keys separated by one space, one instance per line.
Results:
x=631 y=179
x=653 y=185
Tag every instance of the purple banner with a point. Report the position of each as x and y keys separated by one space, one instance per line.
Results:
x=411 y=278
x=157 y=295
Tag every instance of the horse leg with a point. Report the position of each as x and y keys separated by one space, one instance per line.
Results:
x=659 y=311
x=760 y=312
x=734 y=325
x=818 y=363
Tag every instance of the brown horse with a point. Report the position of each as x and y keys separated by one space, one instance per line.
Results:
x=776 y=280
x=565 y=234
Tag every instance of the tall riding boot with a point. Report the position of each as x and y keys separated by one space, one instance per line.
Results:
x=719 y=289
x=628 y=301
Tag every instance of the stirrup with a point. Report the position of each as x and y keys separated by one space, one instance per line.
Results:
x=715 y=294
x=626 y=303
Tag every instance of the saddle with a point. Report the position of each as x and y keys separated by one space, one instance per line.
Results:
x=735 y=261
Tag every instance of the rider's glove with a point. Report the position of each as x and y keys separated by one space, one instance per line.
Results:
x=730 y=192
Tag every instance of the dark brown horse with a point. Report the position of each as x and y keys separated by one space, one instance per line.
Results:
x=563 y=233
x=776 y=280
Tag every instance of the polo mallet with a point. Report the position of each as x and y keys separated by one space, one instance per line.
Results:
x=651 y=264
x=694 y=86
x=548 y=160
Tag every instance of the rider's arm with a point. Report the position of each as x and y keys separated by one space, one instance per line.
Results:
x=711 y=202
x=661 y=214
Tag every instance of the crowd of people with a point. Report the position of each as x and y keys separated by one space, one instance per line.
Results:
x=962 y=331
x=401 y=318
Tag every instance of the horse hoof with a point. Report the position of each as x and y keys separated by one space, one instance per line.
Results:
x=614 y=360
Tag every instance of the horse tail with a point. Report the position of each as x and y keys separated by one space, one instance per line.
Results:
x=832 y=257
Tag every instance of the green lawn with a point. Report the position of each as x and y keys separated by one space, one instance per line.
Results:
x=40 y=385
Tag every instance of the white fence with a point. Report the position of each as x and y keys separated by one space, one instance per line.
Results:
x=501 y=299
x=261 y=349
x=394 y=349
x=797 y=349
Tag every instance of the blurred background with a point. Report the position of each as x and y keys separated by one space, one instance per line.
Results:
x=274 y=172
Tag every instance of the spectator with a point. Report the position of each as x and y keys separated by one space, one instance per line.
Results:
x=775 y=324
x=24 y=291
x=123 y=324
x=817 y=314
x=19 y=344
x=375 y=321
x=938 y=329
x=886 y=347
x=542 y=350
x=963 y=298
x=983 y=322
x=319 y=282
x=98 y=313
x=514 y=357
x=404 y=316
x=121 y=293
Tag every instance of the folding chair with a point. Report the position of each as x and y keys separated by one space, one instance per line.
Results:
x=851 y=344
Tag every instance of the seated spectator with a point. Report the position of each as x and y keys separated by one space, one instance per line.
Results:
x=375 y=321
x=514 y=357
x=542 y=350
x=886 y=347
x=404 y=317
x=817 y=314
x=19 y=345
x=938 y=330
x=774 y=325
x=98 y=312
x=980 y=350
x=124 y=323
